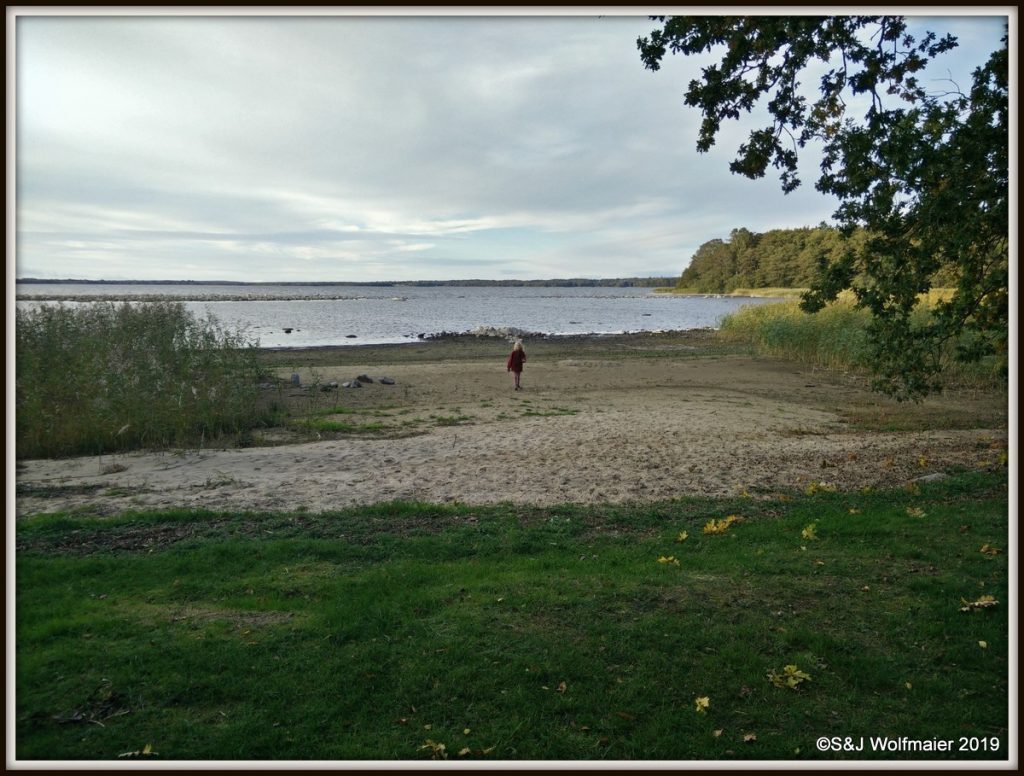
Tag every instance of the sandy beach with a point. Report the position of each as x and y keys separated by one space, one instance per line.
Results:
x=619 y=419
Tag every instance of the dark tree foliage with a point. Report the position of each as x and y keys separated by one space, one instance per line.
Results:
x=925 y=175
x=780 y=258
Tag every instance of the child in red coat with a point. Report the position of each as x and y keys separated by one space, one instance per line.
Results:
x=515 y=362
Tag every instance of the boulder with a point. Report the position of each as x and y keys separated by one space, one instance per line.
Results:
x=364 y=379
x=387 y=381
x=352 y=384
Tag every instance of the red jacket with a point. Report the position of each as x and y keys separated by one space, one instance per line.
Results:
x=516 y=359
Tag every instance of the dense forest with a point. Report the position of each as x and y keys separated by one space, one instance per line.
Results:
x=781 y=258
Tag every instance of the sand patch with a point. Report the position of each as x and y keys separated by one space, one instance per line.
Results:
x=584 y=430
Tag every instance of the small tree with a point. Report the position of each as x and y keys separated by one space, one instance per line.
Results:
x=926 y=175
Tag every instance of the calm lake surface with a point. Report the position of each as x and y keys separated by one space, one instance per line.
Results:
x=363 y=315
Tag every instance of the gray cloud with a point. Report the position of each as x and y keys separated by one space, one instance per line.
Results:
x=349 y=148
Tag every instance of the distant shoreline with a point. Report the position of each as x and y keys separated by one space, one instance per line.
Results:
x=641 y=282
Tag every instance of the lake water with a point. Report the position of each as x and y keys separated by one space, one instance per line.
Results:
x=361 y=315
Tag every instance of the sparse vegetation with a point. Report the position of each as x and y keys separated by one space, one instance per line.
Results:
x=104 y=377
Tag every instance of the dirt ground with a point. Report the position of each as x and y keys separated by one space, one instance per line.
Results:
x=602 y=419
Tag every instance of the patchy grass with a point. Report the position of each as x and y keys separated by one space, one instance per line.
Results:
x=412 y=631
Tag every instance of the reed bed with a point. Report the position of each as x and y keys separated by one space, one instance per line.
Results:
x=105 y=377
x=836 y=337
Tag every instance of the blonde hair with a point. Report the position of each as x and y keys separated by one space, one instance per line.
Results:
x=518 y=345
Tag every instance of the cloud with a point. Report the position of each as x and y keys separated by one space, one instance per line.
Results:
x=352 y=148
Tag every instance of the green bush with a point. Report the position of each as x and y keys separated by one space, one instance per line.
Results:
x=102 y=377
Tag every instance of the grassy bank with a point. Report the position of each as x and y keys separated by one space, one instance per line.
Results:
x=834 y=338
x=407 y=631
x=105 y=377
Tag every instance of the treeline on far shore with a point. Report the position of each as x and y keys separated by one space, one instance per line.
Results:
x=777 y=259
x=780 y=258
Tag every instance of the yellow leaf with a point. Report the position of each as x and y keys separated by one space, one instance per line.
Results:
x=147 y=749
x=983 y=644
x=716 y=733
x=464 y=751
x=466 y=732
x=916 y=512
x=791 y=677
x=988 y=549
x=909 y=686
x=683 y=536
x=702 y=704
x=810 y=531
x=562 y=687
x=854 y=511
x=668 y=559
x=721 y=526
x=749 y=738
x=922 y=462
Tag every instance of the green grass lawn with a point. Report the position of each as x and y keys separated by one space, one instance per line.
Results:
x=405 y=631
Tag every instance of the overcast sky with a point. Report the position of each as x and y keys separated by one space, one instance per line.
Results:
x=361 y=149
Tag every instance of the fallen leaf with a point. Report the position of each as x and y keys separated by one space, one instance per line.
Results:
x=562 y=687
x=437 y=750
x=791 y=677
x=988 y=549
x=749 y=738
x=625 y=716
x=702 y=704
x=854 y=511
x=721 y=526
x=683 y=536
x=983 y=602
x=466 y=732
x=983 y=644
x=810 y=531
x=716 y=733
x=909 y=686
x=464 y=751
x=916 y=512
x=671 y=559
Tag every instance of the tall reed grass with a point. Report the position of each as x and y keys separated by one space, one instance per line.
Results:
x=102 y=377
x=836 y=337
